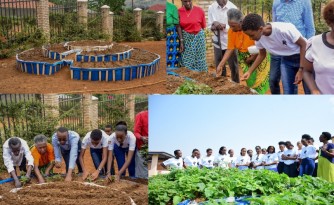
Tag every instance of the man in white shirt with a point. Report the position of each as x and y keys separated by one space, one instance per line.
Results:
x=192 y=161
x=174 y=163
x=281 y=39
x=217 y=22
x=17 y=153
x=122 y=144
x=97 y=141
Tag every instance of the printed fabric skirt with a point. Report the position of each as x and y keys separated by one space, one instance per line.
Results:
x=325 y=169
x=173 y=47
x=194 y=54
x=259 y=79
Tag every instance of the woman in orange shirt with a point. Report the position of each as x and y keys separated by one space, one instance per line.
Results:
x=237 y=39
x=44 y=157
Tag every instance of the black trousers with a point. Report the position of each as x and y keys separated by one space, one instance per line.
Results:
x=280 y=167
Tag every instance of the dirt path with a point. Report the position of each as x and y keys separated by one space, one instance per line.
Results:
x=14 y=81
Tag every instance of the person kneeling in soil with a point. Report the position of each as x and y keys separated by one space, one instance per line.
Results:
x=281 y=39
x=123 y=142
x=97 y=141
x=16 y=153
x=43 y=157
x=69 y=144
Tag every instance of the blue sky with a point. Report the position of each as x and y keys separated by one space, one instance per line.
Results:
x=195 y=121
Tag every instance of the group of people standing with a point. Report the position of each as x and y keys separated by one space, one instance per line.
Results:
x=306 y=159
x=104 y=146
x=295 y=54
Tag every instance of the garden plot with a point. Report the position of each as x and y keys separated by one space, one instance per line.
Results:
x=76 y=192
x=196 y=186
x=90 y=60
x=13 y=80
x=219 y=85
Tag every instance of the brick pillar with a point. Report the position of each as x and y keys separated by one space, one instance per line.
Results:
x=160 y=21
x=82 y=12
x=131 y=106
x=95 y=112
x=51 y=101
x=204 y=4
x=43 y=17
x=90 y=111
x=137 y=12
x=106 y=28
x=111 y=17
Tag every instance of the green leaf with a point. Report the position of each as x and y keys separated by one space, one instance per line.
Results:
x=176 y=200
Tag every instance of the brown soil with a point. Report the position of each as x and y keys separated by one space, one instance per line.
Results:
x=89 y=43
x=116 y=48
x=61 y=192
x=59 y=48
x=35 y=54
x=220 y=85
x=76 y=193
x=138 y=57
x=15 y=81
x=212 y=70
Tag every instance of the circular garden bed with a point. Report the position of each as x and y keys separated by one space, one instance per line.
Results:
x=90 y=60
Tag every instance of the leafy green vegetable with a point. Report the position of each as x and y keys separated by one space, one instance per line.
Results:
x=191 y=87
x=24 y=180
x=263 y=187
x=144 y=153
x=55 y=177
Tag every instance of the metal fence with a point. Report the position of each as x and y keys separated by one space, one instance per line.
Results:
x=17 y=21
x=61 y=15
x=148 y=22
x=112 y=108
x=13 y=119
x=141 y=104
x=71 y=111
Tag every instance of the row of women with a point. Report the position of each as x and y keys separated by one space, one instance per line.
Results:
x=295 y=54
x=307 y=159
x=103 y=145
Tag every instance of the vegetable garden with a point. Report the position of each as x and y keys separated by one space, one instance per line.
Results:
x=213 y=186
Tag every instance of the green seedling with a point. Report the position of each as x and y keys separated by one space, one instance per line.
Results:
x=24 y=180
x=111 y=179
x=56 y=177
x=89 y=178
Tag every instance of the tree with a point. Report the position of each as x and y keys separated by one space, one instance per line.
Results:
x=115 y=5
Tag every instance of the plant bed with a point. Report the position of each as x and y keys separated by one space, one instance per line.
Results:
x=58 y=52
x=262 y=187
x=117 y=52
x=56 y=191
x=89 y=45
x=219 y=85
x=141 y=64
x=66 y=193
x=33 y=62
